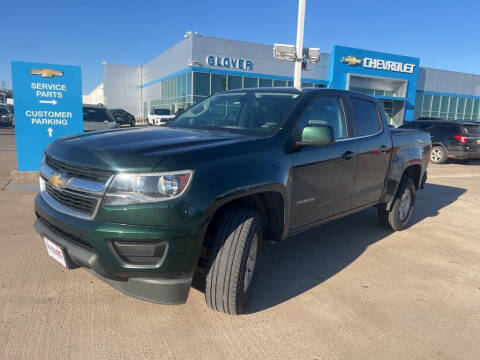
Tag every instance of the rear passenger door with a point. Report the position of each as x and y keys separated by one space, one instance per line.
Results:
x=374 y=152
x=444 y=134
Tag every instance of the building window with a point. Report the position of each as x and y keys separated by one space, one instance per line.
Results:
x=249 y=82
x=189 y=94
x=265 y=83
x=235 y=82
x=447 y=107
x=280 y=83
x=219 y=83
x=179 y=92
x=174 y=93
x=201 y=84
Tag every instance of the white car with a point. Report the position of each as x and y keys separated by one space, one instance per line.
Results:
x=159 y=117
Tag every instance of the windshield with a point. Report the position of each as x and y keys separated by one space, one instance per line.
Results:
x=471 y=129
x=161 y=112
x=244 y=112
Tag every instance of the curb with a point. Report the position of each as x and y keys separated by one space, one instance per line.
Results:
x=24 y=175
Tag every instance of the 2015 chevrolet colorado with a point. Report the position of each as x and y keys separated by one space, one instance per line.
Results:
x=146 y=208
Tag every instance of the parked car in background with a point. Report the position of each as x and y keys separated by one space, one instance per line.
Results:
x=451 y=139
x=123 y=117
x=203 y=193
x=6 y=116
x=97 y=117
x=159 y=117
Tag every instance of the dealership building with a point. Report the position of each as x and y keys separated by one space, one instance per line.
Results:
x=199 y=66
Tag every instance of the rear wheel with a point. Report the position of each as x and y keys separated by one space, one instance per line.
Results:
x=234 y=253
x=400 y=213
x=438 y=155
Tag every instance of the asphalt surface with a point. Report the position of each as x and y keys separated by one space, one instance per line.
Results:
x=348 y=290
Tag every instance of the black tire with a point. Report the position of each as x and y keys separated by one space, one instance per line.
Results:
x=392 y=219
x=438 y=155
x=225 y=282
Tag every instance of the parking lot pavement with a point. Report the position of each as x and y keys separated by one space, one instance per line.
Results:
x=346 y=290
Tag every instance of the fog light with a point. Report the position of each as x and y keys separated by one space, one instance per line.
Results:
x=140 y=252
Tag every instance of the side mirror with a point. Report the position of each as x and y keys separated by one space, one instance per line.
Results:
x=315 y=135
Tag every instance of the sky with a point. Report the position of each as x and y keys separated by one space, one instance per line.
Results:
x=442 y=34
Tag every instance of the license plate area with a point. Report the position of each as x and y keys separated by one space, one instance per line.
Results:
x=56 y=252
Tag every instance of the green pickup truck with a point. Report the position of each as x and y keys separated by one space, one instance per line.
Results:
x=145 y=209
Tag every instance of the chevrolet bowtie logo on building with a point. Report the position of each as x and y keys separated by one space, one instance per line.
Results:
x=59 y=181
x=46 y=73
x=351 y=60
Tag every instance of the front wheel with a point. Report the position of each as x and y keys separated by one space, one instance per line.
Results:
x=234 y=253
x=400 y=213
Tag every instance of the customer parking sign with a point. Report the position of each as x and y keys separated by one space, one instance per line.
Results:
x=48 y=105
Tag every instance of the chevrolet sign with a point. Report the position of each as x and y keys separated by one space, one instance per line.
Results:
x=379 y=64
x=387 y=65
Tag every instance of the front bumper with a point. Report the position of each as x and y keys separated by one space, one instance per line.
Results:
x=162 y=291
x=90 y=244
x=161 y=122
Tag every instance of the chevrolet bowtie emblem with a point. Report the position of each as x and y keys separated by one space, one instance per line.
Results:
x=58 y=181
x=46 y=73
x=351 y=60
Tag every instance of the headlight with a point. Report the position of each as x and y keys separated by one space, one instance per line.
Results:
x=132 y=188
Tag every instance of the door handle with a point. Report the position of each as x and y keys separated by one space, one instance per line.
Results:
x=383 y=149
x=348 y=155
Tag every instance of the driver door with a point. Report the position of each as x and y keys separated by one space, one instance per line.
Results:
x=323 y=176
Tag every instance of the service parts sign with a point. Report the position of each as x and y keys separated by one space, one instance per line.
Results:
x=47 y=104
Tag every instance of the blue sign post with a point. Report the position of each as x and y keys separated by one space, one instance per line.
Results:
x=48 y=105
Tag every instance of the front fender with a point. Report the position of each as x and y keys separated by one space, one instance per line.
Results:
x=256 y=189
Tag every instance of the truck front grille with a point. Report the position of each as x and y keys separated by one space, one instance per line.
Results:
x=77 y=200
x=78 y=171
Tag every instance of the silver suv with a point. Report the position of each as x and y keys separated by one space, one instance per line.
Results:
x=97 y=117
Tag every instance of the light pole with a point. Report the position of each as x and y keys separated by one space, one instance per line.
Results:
x=297 y=76
x=296 y=54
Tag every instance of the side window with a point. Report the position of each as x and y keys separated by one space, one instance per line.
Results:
x=95 y=115
x=446 y=129
x=368 y=121
x=424 y=126
x=326 y=111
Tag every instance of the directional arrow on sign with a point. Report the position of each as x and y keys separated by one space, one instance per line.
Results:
x=50 y=132
x=53 y=102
